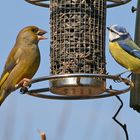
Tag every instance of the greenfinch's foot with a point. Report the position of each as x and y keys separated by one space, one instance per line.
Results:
x=23 y=90
x=24 y=84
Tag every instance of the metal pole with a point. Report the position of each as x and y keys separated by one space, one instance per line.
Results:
x=135 y=92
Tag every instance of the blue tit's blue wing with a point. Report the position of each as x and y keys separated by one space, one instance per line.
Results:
x=130 y=47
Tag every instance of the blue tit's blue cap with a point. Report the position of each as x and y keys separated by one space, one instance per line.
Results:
x=119 y=29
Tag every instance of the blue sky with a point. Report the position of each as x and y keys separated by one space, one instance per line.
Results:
x=22 y=115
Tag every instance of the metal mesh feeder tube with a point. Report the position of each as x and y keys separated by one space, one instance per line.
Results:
x=77 y=45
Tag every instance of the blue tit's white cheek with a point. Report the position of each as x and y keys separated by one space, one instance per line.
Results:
x=113 y=36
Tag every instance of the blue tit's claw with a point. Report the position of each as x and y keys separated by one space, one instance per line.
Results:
x=129 y=75
x=110 y=87
x=117 y=81
x=119 y=77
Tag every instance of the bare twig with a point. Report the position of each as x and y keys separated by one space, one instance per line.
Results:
x=114 y=118
x=42 y=135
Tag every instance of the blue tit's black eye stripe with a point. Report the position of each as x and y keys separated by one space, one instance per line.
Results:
x=114 y=31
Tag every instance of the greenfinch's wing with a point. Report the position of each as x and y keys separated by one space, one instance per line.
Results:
x=10 y=64
x=130 y=47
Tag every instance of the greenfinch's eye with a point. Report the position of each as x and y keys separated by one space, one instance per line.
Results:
x=34 y=30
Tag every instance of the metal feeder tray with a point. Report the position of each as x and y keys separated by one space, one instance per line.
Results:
x=107 y=93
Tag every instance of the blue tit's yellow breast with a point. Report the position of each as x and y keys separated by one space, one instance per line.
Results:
x=123 y=58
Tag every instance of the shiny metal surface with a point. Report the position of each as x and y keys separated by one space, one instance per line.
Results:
x=117 y=1
x=101 y=76
x=39 y=3
x=46 y=94
x=77 y=86
x=113 y=3
x=108 y=93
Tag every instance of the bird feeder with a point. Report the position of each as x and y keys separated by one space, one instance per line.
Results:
x=77 y=50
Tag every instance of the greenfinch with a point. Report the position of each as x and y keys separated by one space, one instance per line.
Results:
x=22 y=62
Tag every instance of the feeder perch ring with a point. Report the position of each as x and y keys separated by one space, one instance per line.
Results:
x=113 y=3
x=107 y=93
x=39 y=3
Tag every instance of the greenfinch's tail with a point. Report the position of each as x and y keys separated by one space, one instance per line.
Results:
x=3 y=95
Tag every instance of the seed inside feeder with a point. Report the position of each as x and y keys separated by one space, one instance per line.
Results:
x=77 y=39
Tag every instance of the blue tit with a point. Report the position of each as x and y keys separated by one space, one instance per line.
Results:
x=123 y=49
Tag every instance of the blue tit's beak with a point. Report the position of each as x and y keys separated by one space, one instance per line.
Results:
x=108 y=28
x=111 y=30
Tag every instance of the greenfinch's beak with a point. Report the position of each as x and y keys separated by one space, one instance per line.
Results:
x=40 y=34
